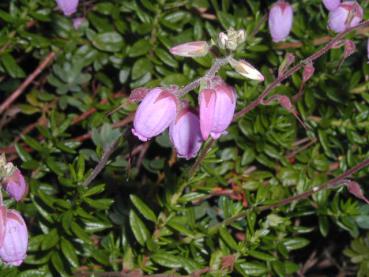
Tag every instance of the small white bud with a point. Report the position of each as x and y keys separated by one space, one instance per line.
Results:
x=246 y=69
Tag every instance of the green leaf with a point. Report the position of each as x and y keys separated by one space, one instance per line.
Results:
x=110 y=41
x=138 y=228
x=143 y=208
x=252 y=268
x=262 y=256
x=295 y=243
x=94 y=190
x=100 y=204
x=167 y=260
x=69 y=252
x=139 y=48
x=226 y=236
x=11 y=66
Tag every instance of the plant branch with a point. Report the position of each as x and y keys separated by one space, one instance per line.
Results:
x=103 y=161
x=27 y=82
x=296 y=68
x=331 y=183
x=211 y=73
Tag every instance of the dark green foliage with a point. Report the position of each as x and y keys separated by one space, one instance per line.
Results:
x=144 y=212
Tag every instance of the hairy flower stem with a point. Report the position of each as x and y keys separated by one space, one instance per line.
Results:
x=296 y=68
x=201 y=157
x=108 y=151
x=211 y=73
x=341 y=179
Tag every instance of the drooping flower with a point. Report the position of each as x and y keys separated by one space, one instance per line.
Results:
x=191 y=49
x=280 y=20
x=348 y=14
x=68 y=7
x=16 y=186
x=331 y=5
x=155 y=113
x=3 y=220
x=15 y=244
x=185 y=134
x=217 y=106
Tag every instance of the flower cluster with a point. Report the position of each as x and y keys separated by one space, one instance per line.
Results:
x=163 y=107
x=13 y=229
x=341 y=16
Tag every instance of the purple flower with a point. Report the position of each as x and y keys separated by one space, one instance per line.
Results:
x=68 y=7
x=185 y=134
x=348 y=14
x=331 y=5
x=16 y=186
x=280 y=20
x=217 y=106
x=14 y=248
x=156 y=112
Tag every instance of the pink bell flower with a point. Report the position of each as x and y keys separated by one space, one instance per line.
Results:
x=217 y=106
x=185 y=134
x=331 y=5
x=3 y=220
x=16 y=186
x=280 y=20
x=68 y=7
x=14 y=248
x=348 y=14
x=156 y=112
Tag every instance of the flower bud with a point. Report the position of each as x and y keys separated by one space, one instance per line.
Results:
x=222 y=40
x=308 y=72
x=355 y=189
x=138 y=94
x=331 y=5
x=288 y=60
x=348 y=14
x=280 y=20
x=246 y=69
x=77 y=22
x=191 y=49
x=350 y=48
x=155 y=113
x=14 y=248
x=185 y=134
x=16 y=186
x=68 y=7
x=217 y=106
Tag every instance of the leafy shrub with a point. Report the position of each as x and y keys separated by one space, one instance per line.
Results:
x=148 y=211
